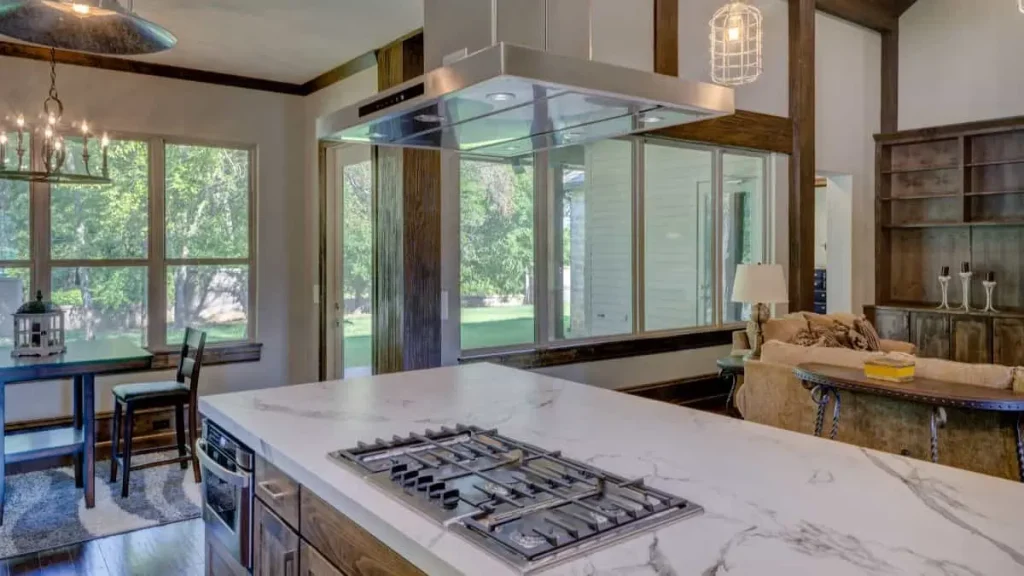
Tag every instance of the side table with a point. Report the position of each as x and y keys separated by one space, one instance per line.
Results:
x=731 y=367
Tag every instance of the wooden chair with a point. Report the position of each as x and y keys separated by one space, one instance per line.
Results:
x=184 y=389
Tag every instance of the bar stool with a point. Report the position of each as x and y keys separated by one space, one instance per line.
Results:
x=131 y=397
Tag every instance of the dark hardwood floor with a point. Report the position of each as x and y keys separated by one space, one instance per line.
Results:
x=172 y=549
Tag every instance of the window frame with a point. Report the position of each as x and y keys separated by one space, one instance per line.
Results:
x=41 y=262
x=545 y=285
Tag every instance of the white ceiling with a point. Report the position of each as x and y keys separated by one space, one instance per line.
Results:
x=286 y=40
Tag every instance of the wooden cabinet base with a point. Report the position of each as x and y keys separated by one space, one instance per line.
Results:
x=311 y=563
x=275 y=544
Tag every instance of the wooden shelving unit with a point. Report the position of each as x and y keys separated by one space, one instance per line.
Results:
x=947 y=195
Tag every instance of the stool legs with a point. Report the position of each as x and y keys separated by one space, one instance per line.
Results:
x=179 y=431
x=129 y=424
x=193 y=435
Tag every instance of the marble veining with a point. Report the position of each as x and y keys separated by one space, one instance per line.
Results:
x=775 y=502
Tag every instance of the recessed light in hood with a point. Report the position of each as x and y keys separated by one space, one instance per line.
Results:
x=507 y=100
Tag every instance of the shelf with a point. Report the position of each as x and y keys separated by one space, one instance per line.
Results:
x=924 y=169
x=994 y=163
x=994 y=193
x=919 y=197
x=43 y=444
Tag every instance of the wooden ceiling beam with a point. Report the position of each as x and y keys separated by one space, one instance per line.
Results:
x=868 y=13
x=802 y=161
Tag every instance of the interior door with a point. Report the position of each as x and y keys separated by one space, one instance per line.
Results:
x=349 y=182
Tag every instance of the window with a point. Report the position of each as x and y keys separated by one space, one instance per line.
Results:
x=640 y=235
x=497 y=253
x=98 y=259
x=593 y=234
x=357 y=266
x=206 y=226
x=678 y=237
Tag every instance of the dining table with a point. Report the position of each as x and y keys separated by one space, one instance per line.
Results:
x=82 y=362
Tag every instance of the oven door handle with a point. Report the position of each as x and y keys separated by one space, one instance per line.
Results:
x=212 y=467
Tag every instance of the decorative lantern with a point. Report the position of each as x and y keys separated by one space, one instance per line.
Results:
x=736 y=44
x=38 y=329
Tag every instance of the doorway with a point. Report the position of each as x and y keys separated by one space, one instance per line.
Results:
x=349 y=261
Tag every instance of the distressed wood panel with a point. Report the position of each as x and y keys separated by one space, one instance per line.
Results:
x=744 y=129
x=346 y=545
x=925 y=183
x=997 y=147
x=930 y=332
x=926 y=211
x=971 y=340
x=802 y=159
x=666 y=37
x=275 y=544
x=924 y=155
x=1008 y=341
x=893 y=324
x=999 y=249
x=311 y=563
x=917 y=257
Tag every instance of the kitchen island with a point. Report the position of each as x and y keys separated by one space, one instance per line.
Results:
x=775 y=502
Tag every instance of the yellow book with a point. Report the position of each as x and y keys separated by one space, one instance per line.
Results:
x=890 y=368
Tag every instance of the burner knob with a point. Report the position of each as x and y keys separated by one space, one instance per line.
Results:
x=435 y=490
x=409 y=478
x=424 y=482
x=450 y=498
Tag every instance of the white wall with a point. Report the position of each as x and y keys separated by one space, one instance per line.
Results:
x=960 y=62
x=848 y=72
x=160 y=106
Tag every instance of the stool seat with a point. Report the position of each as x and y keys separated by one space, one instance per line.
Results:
x=147 y=390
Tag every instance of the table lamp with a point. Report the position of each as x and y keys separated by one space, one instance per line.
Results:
x=759 y=285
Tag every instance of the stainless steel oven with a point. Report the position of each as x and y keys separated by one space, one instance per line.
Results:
x=227 y=490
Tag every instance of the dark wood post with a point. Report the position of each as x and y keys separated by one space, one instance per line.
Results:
x=801 y=163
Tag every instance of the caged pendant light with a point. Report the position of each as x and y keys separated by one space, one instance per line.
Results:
x=736 y=44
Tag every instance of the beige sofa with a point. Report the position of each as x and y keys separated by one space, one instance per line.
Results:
x=978 y=441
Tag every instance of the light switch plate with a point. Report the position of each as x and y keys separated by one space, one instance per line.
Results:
x=316 y=293
x=444 y=305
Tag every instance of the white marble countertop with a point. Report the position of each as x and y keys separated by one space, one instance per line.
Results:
x=776 y=502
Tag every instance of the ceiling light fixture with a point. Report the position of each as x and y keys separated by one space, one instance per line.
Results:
x=505 y=96
x=736 y=44
x=97 y=26
x=651 y=119
x=48 y=146
x=1020 y=6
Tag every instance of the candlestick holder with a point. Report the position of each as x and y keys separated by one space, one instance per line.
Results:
x=965 y=282
x=944 y=284
x=990 y=287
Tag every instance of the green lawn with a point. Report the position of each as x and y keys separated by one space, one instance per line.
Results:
x=481 y=328
x=224 y=332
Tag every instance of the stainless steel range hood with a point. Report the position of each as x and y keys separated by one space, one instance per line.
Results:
x=506 y=100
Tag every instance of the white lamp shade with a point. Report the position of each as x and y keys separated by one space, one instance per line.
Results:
x=760 y=283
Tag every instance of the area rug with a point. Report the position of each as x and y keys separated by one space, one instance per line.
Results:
x=44 y=509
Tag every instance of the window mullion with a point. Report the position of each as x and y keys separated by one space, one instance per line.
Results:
x=543 y=256
x=717 y=298
x=156 y=285
x=39 y=193
x=639 y=238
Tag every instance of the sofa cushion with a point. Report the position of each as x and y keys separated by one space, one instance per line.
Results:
x=989 y=375
x=1018 y=379
x=792 y=355
x=784 y=329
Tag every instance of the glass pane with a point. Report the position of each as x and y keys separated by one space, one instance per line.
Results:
x=678 y=241
x=103 y=222
x=14 y=290
x=496 y=242
x=214 y=299
x=13 y=212
x=102 y=302
x=207 y=202
x=357 y=266
x=742 y=237
x=593 y=239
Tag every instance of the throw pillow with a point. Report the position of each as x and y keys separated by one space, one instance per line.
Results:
x=865 y=329
x=817 y=337
x=783 y=329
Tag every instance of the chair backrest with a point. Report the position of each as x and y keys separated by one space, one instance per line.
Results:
x=191 y=358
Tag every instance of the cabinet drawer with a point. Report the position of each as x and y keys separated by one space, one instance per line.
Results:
x=346 y=545
x=311 y=563
x=278 y=491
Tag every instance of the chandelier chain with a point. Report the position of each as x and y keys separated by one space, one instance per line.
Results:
x=54 y=97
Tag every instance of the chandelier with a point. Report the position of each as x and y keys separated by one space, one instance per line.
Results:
x=97 y=26
x=42 y=154
x=736 y=44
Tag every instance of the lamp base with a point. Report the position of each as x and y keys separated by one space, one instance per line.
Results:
x=759 y=314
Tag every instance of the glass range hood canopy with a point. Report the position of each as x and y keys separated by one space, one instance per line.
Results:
x=507 y=100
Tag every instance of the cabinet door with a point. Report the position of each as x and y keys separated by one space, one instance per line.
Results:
x=311 y=563
x=276 y=546
x=893 y=324
x=971 y=341
x=219 y=561
x=930 y=332
x=1008 y=341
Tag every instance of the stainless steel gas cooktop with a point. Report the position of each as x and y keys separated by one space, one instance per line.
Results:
x=530 y=507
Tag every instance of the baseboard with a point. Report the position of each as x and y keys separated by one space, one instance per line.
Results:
x=153 y=428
